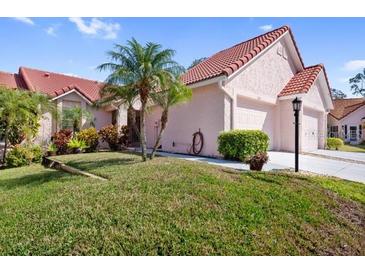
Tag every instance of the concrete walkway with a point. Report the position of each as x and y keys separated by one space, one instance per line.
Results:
x=352 y=156
x=285 y=160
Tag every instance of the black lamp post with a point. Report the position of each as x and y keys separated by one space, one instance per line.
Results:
x=297 y=104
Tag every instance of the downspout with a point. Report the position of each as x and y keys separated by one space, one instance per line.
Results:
x=221 y=84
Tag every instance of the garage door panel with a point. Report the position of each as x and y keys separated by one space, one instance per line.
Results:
x=310 y=130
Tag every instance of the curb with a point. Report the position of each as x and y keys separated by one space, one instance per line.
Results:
x=335 y=158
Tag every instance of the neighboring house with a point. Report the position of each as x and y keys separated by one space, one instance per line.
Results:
x=347 y=120
x=66 y=91
x=250 y=86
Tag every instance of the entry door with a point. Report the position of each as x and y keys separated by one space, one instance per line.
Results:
x=353 y=136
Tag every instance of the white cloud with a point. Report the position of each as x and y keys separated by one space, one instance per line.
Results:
x=25 y=20
x=51 y=31
x=354 y=65
x=96 y=27
x=265 y=27
x=71 y=74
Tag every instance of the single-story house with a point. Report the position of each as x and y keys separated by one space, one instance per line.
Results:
x=250 y=85
x=66 y=91
x=347 y=120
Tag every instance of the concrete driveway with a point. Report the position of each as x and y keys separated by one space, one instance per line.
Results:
x=351 y=156
x=285 y=160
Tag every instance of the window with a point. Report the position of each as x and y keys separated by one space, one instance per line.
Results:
x=360 y=132
x=333 y=131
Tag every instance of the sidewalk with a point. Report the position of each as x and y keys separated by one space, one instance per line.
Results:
x=285 y=160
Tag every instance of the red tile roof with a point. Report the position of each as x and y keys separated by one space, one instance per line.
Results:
x=230 y=60
x=302 y=81
x=343 y=107
x=56 y=84
x=11 y=80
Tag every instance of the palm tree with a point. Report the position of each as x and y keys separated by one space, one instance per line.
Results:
x=175 y=93
x=22 y=109
x=358 y=83
x=197 y=61
x=72 y=117
x=120 y=95
x=142 y=69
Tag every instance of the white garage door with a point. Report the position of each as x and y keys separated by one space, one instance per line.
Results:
x=310 y=130
x=253 y=115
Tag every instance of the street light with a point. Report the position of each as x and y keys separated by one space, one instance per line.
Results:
x=297 y=105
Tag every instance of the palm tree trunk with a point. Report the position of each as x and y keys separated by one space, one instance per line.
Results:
x=6 y=137
x=164 y=118
x=142 y=132
x=132 y=122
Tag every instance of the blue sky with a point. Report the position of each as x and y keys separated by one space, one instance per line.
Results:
x=76 y=46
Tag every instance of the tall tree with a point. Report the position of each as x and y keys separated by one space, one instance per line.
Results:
x=120 y=95
x=174 y=93
x=22 y=109
x=358 y=83
x=142 y=69
x=338 y=94
x=197 y=61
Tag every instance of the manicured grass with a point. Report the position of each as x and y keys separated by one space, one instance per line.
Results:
x=352 y=148
x=174 y=207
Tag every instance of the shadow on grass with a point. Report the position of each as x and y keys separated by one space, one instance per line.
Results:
x=94 y=164
x=33 y=179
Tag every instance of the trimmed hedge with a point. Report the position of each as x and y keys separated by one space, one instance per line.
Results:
x=239 y=144
x=334 y=143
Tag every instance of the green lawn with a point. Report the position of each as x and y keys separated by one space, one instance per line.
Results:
x=175 y=207
x=353 y=148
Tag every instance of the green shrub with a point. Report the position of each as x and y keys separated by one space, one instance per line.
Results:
x=37 y=153
x=240 y=144
x=109 y=134
x=334 y=143
x=90 y=136
x=77 y=145
x=19 y=156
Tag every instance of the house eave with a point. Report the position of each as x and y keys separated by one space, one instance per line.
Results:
x=72 y=91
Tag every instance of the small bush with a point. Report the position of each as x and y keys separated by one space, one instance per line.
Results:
x=61 y=139
x=334 y=143
x=90 y=136
x=240 y=144
x=37 y=153
x=77 y=145
x=109 y=134
x=19 y=156
x=257 y=161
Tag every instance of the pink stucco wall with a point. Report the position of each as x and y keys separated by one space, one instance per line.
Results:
x=205 y=112
x=253 y=94
x=255 y=90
